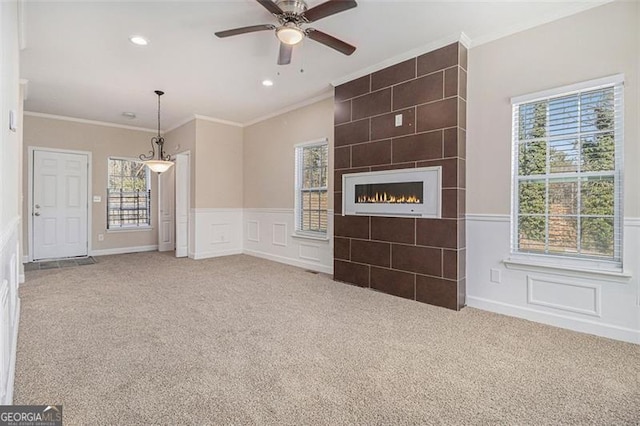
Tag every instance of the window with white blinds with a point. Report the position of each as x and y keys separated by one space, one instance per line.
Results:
x=567 y=169
x=128 y=194
x=311 y=202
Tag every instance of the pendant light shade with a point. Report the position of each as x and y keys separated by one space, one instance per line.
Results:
x=163 y=161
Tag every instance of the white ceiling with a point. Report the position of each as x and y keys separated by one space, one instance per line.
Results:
x=79 y=62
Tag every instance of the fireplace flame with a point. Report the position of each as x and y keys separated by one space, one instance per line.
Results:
x=383 y=197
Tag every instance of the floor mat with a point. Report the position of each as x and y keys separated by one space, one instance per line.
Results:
x=62 y=263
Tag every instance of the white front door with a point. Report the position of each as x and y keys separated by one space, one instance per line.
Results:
x=166 y=223
x=59 y=205
x=182 y=204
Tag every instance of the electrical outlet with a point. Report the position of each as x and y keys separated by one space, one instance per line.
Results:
x=496 y=276
x=100 y=237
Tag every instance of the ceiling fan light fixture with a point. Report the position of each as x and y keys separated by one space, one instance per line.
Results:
x=290 y=34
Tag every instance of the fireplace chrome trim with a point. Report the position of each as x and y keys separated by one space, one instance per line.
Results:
x=431 y=196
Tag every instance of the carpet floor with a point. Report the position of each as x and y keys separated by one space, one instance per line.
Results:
x=150 y=339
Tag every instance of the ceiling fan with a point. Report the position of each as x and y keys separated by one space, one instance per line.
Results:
x=291 y=15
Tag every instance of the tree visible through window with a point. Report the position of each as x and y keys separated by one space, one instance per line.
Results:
x=567 y=178
x=311 y=187
x=128 y=194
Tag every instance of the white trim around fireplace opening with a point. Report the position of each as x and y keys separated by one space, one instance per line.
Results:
x=431 y=205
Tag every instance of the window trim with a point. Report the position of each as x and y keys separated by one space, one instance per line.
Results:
x=315 y=235
x=562 y=261
x=129 y=227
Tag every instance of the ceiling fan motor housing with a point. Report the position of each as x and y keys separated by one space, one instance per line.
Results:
x=292 y=9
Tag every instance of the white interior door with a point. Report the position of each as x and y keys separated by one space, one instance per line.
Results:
x=166 y=222
x=59 y=205
x=182 y=204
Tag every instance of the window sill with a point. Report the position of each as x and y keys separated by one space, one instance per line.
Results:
x=132 y=229
x=567 y=270
x=323 y=238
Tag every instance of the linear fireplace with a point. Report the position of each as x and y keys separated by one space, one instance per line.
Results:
x=403 y=193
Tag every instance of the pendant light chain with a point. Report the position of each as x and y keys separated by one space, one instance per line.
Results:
x=158 y=115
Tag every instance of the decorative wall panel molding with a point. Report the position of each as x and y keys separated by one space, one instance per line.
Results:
x=272 y=238
x=582 y=301
x=253 y=231
x=564 y=295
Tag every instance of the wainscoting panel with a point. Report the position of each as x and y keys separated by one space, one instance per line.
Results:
x=564 y=295
x=605 y=305
x=280 y=234
x=270 y=236
x=9 y=306
x=253 y=231
x=217 y=232
x=220 y=233
x=309 y=252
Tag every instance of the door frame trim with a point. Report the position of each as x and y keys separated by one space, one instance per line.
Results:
x=188 y=155
x=29 y=211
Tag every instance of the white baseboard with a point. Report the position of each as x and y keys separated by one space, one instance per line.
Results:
x=557 y=320
x=123 y=250
x=12 y=362
x=289 y=261
x=211 y=254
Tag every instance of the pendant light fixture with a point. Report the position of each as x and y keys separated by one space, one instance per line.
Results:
x=163 y=162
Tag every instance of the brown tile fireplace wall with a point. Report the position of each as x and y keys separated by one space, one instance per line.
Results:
x=419 y=259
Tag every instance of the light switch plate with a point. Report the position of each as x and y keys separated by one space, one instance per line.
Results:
x=398 y=120
x=496 y=276
x=13 y=120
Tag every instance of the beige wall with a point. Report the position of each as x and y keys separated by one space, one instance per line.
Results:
x=10 y=143
x=269 y=154
x=102 y=142
x=599 y=42
x=218 y=161
x=180 y=140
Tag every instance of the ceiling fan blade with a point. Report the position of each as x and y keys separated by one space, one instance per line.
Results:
x=328 y=8
x=271 y=7
x=284 y=57
x=330 y=41
x=244 y=30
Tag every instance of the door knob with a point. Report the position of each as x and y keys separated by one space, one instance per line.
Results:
x=37 y=206
x=36 y=214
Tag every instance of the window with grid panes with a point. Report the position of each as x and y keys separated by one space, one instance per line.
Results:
x=567 y=200
x=128 y=194
x=312 y=187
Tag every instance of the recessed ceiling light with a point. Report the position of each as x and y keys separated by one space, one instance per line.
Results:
x=267 y=83
x=139 y=40
x=129 y=115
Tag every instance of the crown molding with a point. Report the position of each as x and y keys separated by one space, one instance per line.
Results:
x=180 y=123
x=204 y=118
x=557 y=14
x=445 y=41
x=218 y=120
x=83 y=121
x=322 y=97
